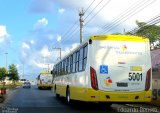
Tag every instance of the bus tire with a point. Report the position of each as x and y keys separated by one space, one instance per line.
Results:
x=68 y=99
x=55 y=89
x=57 y=95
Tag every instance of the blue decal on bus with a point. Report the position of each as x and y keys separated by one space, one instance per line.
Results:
x=104 y=69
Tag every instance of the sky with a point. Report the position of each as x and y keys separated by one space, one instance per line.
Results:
x=30 y=30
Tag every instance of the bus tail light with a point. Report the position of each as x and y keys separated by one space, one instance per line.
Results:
x=148 y=80
x=94 y=82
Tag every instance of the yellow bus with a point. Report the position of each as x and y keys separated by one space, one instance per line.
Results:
x=106 y=68
x=44 y=80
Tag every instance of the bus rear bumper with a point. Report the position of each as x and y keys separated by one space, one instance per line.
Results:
x=44 y=86
x=106 y=96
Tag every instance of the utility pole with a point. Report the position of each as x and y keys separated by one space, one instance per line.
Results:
x=48 y=68
x=6 y=62
x=23 y=72
x=60 y=56
x=44 y=64
x=81 y=14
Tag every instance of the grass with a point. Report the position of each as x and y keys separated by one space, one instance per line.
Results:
x=8 y=86
x=11 y=86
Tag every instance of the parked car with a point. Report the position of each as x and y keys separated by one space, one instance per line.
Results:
x=26 y=85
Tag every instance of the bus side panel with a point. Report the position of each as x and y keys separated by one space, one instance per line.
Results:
x=61 y=89
x=77 y=93
x=80 y=82
x=78 y=86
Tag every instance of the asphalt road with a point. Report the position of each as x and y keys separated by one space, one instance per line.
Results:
x=34 y=100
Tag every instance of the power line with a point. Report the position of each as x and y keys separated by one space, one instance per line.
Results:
x=122 y=14
x=84 y=13
x=98 y=11
x=148 y=22
x=93 y=9
x=71 y=30
x=75 y=31
x=72 y=34
x=127 y=17
x=89 y=6
x=135 y=6
x=152 y=21
x=130 y=9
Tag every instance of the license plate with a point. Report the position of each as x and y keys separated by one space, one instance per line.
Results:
x=122 y=84
x=136 y=68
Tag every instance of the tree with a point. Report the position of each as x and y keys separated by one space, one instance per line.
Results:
x=2 y=73
x=13 y=73
x=149 y=31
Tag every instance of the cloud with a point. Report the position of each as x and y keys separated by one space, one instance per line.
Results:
x=69 y=49
x=73 y=4
x=38 y=64
x=41 y=23
x=45 y=38
x=61 y=11
x=74 y=45
x=36 y=50
x=39 y=59
x=32 y=41
x=59 y=38
x=50 y=36
x=3 y=33
x=25 y=46
x=109 y=13
x=23 y=54
x=45 y=52
x=17 y=66
x=41 y=6
x=5 y=40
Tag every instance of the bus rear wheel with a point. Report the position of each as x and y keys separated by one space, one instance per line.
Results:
x=57 y=95
x=68 y=100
